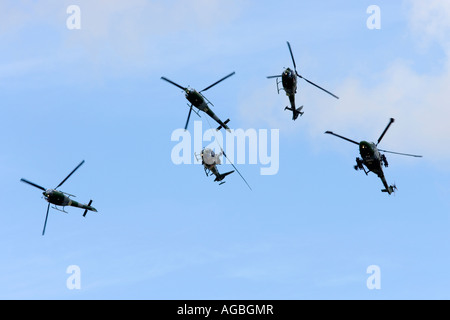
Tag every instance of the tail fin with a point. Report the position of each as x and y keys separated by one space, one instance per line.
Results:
x=222 y=176
x=297 y=112
x=390 y=190
x=85 y=211
x=221 y=126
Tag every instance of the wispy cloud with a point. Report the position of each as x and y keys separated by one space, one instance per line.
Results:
x=415 y=98
x=116 y=37
x=430 y=21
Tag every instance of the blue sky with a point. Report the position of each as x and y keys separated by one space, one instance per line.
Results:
x=168 y=232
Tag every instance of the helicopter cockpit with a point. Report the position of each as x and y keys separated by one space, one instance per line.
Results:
x=210 y=157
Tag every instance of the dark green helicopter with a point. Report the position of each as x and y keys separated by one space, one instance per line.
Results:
x=198 y=100
x=373 y=159
x=289 y=82
x=59 y=198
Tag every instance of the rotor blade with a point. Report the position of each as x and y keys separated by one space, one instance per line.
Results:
x=59 y=185
x=271 y=77
x=349 y=140
x=391 y=121
x=175 y=84
x=189 y=116
x=402 y=154
x=33 y=184
x=46 y=216
x=292 y=56
x=237 y=170
x=318 y=86
x=218 y=81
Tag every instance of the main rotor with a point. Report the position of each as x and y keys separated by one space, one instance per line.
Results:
x=391 y=121
x=301 y=77
x=48 y=192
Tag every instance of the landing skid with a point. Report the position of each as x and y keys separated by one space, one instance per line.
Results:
x=195 y=111
x=56 y=208
x=68 y=194
x=278 y=86
x=206 y=99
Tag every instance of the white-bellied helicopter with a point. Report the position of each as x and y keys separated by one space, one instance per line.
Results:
x=210 y=161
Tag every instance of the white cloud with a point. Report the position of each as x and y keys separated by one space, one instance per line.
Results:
x=430 y=20
x=131 y=32
x=118 y=36
x=418 y=100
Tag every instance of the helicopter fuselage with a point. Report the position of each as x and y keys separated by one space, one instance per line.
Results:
x=210 y=160
x=196 y=99
x=371 y=157
x=289 y=81
x=374 y=160
x=199 y=101
x=58 y=198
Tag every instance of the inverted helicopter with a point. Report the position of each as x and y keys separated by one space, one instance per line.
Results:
x=59 y=198
x=289 y=83
x=372 y=159
x=198 y=100
x=210 y=160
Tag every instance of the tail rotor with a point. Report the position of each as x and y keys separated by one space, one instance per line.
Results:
x=394 y=188
x=89 y=208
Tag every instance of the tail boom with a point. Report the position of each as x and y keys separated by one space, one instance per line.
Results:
x=387 y=188
x=83 y=206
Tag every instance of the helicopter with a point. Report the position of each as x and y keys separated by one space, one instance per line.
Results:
x=210 y=160
x=59 y=198
x=198 y=100
x=373 y=159
x=289 y=82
